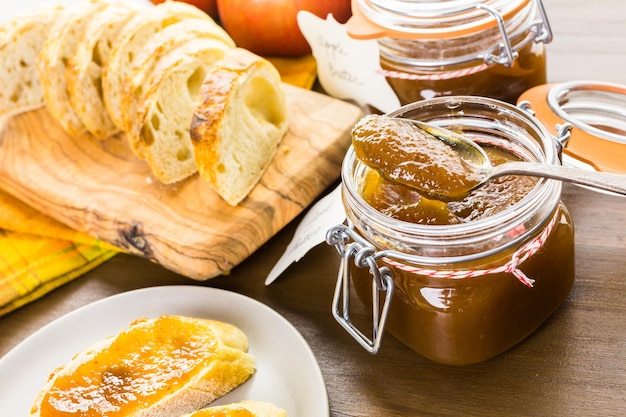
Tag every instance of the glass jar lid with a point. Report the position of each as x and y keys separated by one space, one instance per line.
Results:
x=597 y=113
x=428 y=19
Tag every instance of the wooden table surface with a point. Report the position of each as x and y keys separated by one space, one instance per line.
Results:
x=575 y=364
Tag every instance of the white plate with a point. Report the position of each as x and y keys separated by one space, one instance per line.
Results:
x=287 y=372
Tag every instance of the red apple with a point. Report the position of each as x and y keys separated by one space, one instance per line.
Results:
x=270 y=27
x=207 y=6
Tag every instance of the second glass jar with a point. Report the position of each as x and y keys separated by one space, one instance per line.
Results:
x=488 y=48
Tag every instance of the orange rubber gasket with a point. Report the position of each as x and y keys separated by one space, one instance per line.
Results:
x=360 y=27
x=602 y=154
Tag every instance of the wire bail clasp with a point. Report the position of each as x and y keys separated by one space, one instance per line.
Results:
x=563 y=131
x=504 y=53
x=351 y=245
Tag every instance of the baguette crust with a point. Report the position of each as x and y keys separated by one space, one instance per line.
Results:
x=21 y=39
x=131 y=39
x=239 y=123
x=160 y=134
x=225 y=366
x=105 y=68
x=248 y=408
x=163 y=42
x=84 y=72
x=52 y=64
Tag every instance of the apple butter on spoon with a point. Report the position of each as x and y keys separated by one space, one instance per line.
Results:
x=445 y=165
x=404 y=152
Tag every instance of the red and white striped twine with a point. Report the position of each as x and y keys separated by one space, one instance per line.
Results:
x=511 y=266
x=433 y=77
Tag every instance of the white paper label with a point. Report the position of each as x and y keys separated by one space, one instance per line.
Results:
x=347 y=68
x=311 y=231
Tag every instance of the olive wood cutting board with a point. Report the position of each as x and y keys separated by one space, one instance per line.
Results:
x=103 y=189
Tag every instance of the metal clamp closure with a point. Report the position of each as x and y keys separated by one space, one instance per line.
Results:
x=351 y=245
x=563 y=131
x=504 y=53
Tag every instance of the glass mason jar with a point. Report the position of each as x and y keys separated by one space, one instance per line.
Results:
x=458 y=293
x=489 y=48
x=596 y=111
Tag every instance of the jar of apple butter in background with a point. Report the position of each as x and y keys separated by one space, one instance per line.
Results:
x=459 y=281
x=489 y=48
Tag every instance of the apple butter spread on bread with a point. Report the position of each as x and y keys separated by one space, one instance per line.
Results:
x=166 y=367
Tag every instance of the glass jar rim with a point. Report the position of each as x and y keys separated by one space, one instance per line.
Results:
x=587 y=103
x=545 y=192
x=596 y=113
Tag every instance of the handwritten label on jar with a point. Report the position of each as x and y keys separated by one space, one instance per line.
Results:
x=347 y=68
x=311 y=231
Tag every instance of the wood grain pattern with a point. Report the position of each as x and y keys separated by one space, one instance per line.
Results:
x=102 y=188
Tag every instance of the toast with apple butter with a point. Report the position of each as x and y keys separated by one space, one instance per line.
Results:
x=158 y=367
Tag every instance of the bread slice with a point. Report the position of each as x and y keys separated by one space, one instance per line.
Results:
x=160 y=134
x=21 y=38
x=239 y=123
x=165 y=367
x=53 y=58
x=84 y=70
x=132 y=38
x=247 y=408
x=162 y=43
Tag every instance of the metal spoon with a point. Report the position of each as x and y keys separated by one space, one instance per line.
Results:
x=480 y=161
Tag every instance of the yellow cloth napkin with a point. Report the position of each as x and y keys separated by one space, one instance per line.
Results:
x=39 y=254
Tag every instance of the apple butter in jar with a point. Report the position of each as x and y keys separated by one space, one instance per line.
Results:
x=489 y=48
x=462 y=280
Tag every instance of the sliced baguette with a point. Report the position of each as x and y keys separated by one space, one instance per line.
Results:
x=238 y=124
x=84 y=70
x=163 y=42
x=247 y=408
x=131 y=39
x=21 y=39
x=164 y=367
x=52 y=64
x=160 y=134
